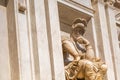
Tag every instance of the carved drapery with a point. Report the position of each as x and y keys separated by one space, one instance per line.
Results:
x=84 y=65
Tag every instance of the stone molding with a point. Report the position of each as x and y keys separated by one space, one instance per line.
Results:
x=78 y=6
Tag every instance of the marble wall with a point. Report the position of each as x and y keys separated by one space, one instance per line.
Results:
x=4 y=48
x=31 y=34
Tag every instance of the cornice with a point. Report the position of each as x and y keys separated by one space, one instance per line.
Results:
x=78 y=6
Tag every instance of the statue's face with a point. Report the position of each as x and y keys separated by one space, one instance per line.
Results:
x=78 y=31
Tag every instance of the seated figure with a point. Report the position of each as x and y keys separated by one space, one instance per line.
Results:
x=84 y=66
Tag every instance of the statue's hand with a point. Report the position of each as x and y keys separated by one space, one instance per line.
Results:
x=82 y=40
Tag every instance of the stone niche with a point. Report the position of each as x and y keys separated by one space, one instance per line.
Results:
x=3 y=2
x=66 y=16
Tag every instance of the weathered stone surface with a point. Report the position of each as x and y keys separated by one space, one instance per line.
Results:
x=30 y=36
x=4 y=48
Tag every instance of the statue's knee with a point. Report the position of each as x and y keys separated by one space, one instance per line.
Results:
x=104 y=68
x=91 y=67
x=89 y=64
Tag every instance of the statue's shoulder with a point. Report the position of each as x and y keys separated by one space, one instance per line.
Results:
x=65 y=39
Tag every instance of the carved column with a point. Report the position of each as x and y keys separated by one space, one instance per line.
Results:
x=103 y=38
x=113 y=39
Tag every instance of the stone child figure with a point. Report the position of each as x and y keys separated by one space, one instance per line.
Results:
x=84 y=66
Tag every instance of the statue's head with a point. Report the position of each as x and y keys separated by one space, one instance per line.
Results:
x=79 y=25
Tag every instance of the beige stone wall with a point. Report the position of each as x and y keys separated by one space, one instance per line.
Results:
x=4 y=48
x=31 y=34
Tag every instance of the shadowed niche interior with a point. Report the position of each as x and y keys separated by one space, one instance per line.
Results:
x=4 y=2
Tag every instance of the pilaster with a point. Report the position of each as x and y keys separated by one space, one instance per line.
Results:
x=54 y=38
x=95 y=37
x=18 y=42
x=12 y=40
x=113 y=39
x=40 y=41
x=4 y=48
x=103 y=38
x=23 y=40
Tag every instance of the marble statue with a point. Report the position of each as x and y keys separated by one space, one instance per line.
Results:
x=84 y=66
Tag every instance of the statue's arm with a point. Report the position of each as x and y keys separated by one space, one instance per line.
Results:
x=89 y=49
x=70 y=48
